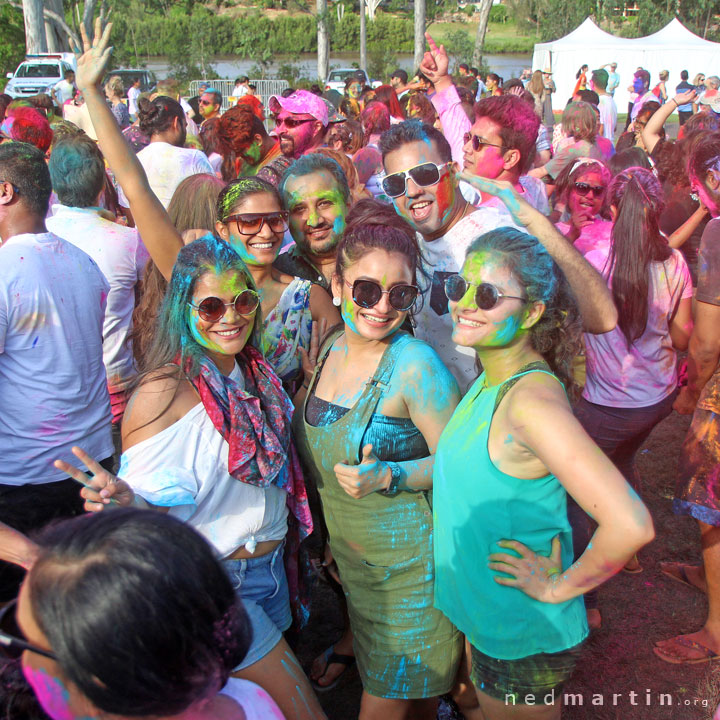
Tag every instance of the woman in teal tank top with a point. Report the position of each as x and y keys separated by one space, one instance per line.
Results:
x=367 y=431
x=504 y=465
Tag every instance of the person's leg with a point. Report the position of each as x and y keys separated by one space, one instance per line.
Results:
x=686 y=648
x=280 y=675
x=376 y=708
x=324 y=673
x=463 y=692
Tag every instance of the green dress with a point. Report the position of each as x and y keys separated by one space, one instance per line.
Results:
x=383 y=546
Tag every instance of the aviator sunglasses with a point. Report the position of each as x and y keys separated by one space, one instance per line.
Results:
x=291 y=122
x=212 y=309
x=478 y=144
x=252 y=223
x=423 y=175
x=367 y=294
x=584 y=189
x=12 y=641
x=487 y=296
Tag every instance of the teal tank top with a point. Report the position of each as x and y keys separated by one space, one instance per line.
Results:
x=475 y=505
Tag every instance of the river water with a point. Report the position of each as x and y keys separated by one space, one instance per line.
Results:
x=229 y=67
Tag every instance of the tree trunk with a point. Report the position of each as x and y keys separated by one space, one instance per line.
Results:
x=419 y=32
x=484 y=16
x=55 y=36
x=34 y=26
x=323 y=41
x=363 y=37
x=89 y=17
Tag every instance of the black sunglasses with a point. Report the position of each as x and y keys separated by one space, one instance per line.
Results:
x=291 y=122
x=212 y=309
x=478 y=144
x=12 y=641
x=252 y=223
x=367 y=294
x=584 y=189
x=423 y=175
x=487 y=296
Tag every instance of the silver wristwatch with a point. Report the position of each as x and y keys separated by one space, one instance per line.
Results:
x=396 y=474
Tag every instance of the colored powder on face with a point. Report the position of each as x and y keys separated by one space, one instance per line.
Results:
x=239 y=246
x=198 y=332
x=347 y=310
x=445 y=198
x=253 y=153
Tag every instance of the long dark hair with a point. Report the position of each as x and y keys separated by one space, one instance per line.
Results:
x=557 y=335
x=138 y=611
x=636 y=242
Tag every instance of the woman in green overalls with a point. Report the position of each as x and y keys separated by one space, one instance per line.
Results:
x=367 y=431
x=505 y=463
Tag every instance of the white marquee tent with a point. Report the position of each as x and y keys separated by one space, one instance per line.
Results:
x=673 y=48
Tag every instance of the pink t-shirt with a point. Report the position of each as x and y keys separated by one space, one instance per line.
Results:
x=595 y=236
x=646 y=372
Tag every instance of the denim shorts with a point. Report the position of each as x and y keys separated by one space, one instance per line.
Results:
x=536 y=674
x=262 y=585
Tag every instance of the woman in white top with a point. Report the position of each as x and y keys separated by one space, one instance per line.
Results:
x=102 y=624
x=206 y=435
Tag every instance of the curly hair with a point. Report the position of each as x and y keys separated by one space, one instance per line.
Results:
x=238 y=126
x=557 y=335
x=115 y=86
x=350 y=134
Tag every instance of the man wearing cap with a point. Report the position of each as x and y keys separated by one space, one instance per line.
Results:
x=613 y=78
x=399 y=81
x=301 y=121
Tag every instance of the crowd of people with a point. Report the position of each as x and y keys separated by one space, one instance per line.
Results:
x=407 y=343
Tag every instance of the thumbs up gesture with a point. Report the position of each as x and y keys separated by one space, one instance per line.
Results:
x=369 y=476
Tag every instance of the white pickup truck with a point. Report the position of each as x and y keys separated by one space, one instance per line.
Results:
x=39 y=74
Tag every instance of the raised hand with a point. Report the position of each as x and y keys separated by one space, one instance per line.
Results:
x=102 y=489
x=686 y=97
x=369 y=476
x=93 y=63
x=522 y=212
x=436 y=62
x=536 y=575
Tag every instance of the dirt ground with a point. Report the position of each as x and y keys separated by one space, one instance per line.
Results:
x=637 y=610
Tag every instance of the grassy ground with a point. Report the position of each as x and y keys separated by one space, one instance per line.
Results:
x=637 y=610
x=500 y=37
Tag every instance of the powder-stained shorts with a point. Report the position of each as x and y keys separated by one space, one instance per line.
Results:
x=512 y=680
x=697 y=492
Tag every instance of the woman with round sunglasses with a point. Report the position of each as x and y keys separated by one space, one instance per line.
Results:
x=149 y=574
x=207 y=439
x=503 y=543
x=375 y=407
x=251 y=219
x=580 y=205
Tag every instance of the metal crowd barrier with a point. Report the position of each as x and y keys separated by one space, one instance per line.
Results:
x=265 y=88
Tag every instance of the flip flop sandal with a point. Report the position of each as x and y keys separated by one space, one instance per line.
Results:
x=683 y=578
x=636 y=570
x=332 y=657
x=709 y=655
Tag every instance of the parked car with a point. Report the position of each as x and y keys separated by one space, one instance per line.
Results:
x=336 y=79
x=148 y=81
x=39 y=73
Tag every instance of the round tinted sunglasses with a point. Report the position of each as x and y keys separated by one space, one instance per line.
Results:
x=487 y=296
x=367 y=294
x=423 y=175
x=478 y=144
x=252 y=223
x=584 y=189
x=12 y=640
x=212 y=309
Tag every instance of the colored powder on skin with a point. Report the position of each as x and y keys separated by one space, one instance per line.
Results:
x=445 y=198
x=52 y=695
x=346 y=310
x=253 y=153
x=239 y=246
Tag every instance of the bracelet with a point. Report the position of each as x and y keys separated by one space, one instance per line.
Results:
x=676 y=102
x=306 y=384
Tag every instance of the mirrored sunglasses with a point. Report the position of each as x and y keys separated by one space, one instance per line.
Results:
x=487 y=296
x=422 y=175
